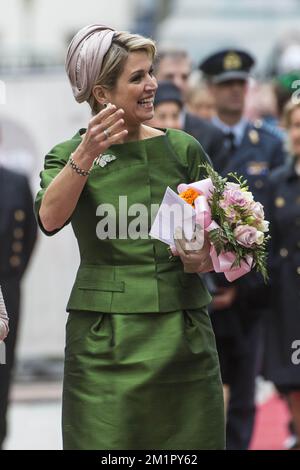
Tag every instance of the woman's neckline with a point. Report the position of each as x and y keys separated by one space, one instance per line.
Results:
x=164 y=130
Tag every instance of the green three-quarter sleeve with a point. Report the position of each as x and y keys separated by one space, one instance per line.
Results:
x=55 y=161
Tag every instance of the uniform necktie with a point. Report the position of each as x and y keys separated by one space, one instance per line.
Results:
x=230 y=140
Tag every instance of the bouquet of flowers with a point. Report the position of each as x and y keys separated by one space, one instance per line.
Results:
x=235 y=223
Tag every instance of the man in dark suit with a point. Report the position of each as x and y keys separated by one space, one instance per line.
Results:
x=252 y=151
x=17 y=238
x=175 y=66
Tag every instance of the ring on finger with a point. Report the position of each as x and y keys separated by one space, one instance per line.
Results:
x=106 y=132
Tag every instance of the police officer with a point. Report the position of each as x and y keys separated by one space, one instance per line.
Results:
x=17 y=239
x=252 y=151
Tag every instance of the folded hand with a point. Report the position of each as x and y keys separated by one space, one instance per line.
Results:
x=194 y=253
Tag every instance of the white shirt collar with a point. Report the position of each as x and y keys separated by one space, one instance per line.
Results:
x=238 y=129
x=182 y=118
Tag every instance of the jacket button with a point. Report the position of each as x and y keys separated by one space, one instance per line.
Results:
x=19 y=215
x=279 y=202
x=18 y=233
x=283 y=252
x=17 y=247
x=15 y=261
x=259 y=184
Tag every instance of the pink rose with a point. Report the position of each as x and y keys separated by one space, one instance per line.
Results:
x=231 y=214
x=257 y=210
x=236 y=197
x=248 y=236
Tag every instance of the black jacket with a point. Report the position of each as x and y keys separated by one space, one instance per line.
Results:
x=209 y=136
x=282 y=326
x=17 y=224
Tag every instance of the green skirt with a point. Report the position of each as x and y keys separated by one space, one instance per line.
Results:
x=142 y=381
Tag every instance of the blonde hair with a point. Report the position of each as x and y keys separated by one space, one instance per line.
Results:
x=122 y=45
x=289 y=108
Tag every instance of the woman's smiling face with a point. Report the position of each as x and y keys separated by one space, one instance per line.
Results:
x=135 y=89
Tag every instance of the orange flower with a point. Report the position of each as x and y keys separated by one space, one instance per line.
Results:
x=189 y=196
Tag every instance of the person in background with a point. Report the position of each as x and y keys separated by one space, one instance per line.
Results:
x=167 y=106
x=201 y=102
x=238 y=307
x=17 y=239
x=282 y=325
x=176 y=66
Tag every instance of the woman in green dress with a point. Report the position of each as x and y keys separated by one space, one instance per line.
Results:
x=141 y=368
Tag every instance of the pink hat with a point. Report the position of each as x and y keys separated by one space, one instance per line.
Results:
x=85 y=56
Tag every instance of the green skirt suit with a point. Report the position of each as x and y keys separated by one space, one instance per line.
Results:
x=141 y=367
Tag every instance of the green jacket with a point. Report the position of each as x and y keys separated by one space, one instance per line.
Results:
x=123 y=275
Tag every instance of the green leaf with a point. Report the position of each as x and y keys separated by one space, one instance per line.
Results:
x=239 y=180
x=217 y=238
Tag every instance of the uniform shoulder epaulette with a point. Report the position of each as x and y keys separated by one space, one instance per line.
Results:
x=262 y=126
x=258 y=123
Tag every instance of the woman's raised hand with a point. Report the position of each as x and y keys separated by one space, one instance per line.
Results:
x=104 y=129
